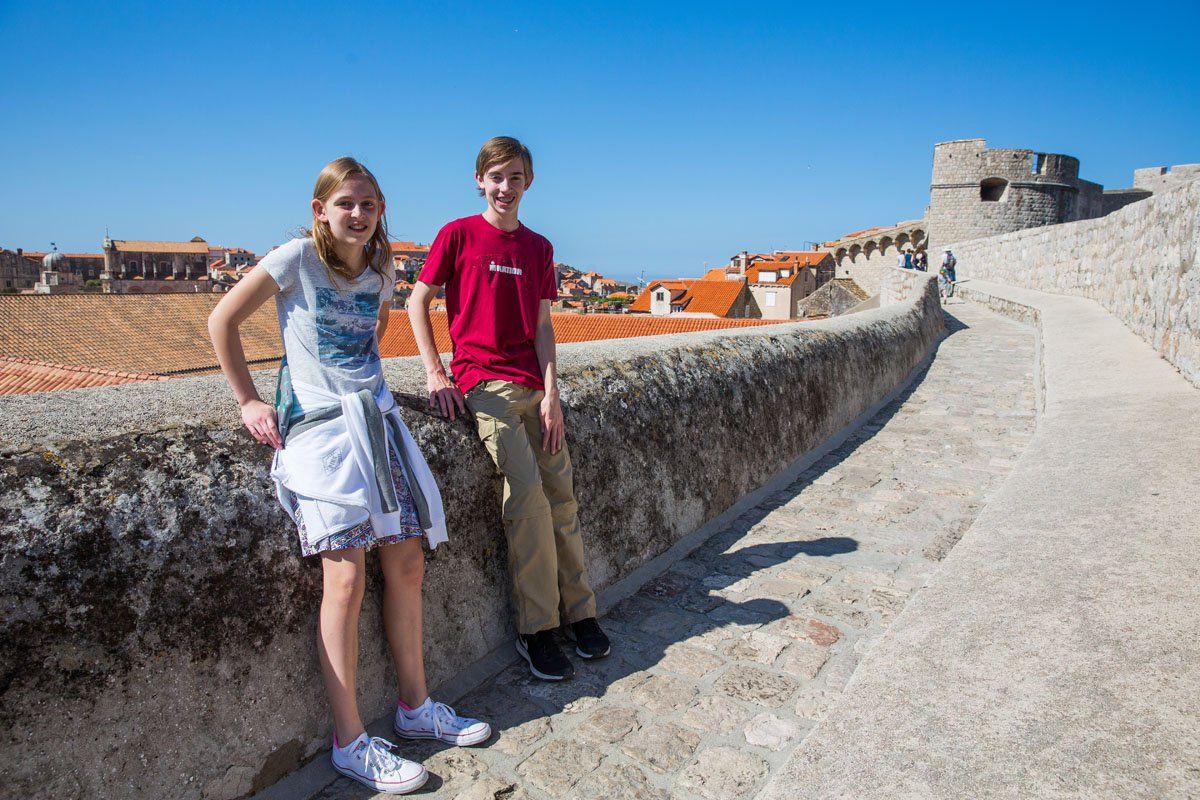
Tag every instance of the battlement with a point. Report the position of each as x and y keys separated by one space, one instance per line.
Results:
x=1157 y=179
x=980 y=191
x=971 y=160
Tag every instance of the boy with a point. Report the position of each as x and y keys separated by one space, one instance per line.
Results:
x=500 y=281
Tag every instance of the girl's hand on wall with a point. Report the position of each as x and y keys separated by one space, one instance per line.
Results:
x=259 y=419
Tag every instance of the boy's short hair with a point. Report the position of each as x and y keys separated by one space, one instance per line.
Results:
x=500 y=149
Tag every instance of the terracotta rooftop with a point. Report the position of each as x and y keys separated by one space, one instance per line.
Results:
x=159 y=334
x=712 y=297
x=753 y=274
x=139 y=246
x=852 y=234
x=805 y=258
x=398 y=340
x=408 y=247
x=716 y=274
x=25 y=376
x=642 y=303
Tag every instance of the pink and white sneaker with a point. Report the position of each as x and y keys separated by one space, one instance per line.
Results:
x=370 y=761
x=433 y=720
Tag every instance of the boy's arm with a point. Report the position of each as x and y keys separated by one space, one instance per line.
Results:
x=223 y=323
x=444 y=396
x=551 y=409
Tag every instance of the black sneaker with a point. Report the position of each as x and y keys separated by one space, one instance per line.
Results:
x=590 y=641
x=546 y=660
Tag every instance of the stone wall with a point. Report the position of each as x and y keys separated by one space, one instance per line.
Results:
x=1141 y=263
x=866 y=258
x=868 y=271
x=899 y=284
x=1160 y=179
x=158 y=622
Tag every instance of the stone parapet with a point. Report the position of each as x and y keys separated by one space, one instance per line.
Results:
x=158 y=628
x=1141 y=263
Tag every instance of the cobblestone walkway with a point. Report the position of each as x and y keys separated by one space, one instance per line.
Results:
x=723 y=663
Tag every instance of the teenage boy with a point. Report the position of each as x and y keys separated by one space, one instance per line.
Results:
x=500 y=281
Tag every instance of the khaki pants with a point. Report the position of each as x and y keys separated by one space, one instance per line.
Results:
x=541 y=521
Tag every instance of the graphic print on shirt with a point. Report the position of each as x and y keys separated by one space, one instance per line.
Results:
x=497 y=266
x=346 y=327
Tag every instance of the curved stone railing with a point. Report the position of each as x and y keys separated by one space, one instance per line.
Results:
x=1141 y=263
x=158 y=621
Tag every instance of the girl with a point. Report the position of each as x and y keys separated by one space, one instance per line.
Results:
x=346 y=469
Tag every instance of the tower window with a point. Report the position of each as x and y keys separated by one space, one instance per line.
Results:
x=992 y=189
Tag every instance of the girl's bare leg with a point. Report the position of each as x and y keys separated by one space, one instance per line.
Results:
x=403 y=570
x=337 y=637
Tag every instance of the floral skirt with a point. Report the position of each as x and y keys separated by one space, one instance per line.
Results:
x=362 y=536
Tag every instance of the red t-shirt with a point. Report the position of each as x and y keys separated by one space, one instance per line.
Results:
x=495 y=281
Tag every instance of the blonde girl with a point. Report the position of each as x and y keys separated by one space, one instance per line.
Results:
x=345 y=468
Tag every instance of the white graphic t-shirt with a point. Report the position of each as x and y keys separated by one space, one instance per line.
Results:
x=328 y=329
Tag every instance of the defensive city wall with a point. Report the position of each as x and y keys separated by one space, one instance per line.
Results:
x=158 y=627
x=1141 y=263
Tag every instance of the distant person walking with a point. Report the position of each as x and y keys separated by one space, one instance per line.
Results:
x=908 y=259
x=900 y=261
x=949 y=262
x=921 y=261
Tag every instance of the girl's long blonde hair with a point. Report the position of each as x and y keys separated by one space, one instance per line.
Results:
x=379 y=251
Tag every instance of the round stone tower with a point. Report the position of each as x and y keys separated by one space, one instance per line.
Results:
x=979 y=192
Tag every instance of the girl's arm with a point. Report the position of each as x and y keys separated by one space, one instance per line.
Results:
x=385 y=311
x=223 y=323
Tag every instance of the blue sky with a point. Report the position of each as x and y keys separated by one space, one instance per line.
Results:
x=665 y=136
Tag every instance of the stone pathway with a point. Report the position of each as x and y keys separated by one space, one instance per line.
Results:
x=723 y=663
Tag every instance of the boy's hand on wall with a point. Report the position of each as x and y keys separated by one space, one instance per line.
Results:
x=552 y=423
x=444 y=396
x=259 y=419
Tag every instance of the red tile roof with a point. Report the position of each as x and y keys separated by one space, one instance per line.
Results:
x=161 y=334
x=805 y=258
x=642 y=303
x=713 y=297
x=398 y=339
x=25 y=376
x=852 y=234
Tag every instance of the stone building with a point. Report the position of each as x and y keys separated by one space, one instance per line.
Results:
x=865 y=255
x=128 y=259
x=18 y=272
x=977 y=191
x=85 y=266
x=56 y=278
x=779 y=281
x=408 y=258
